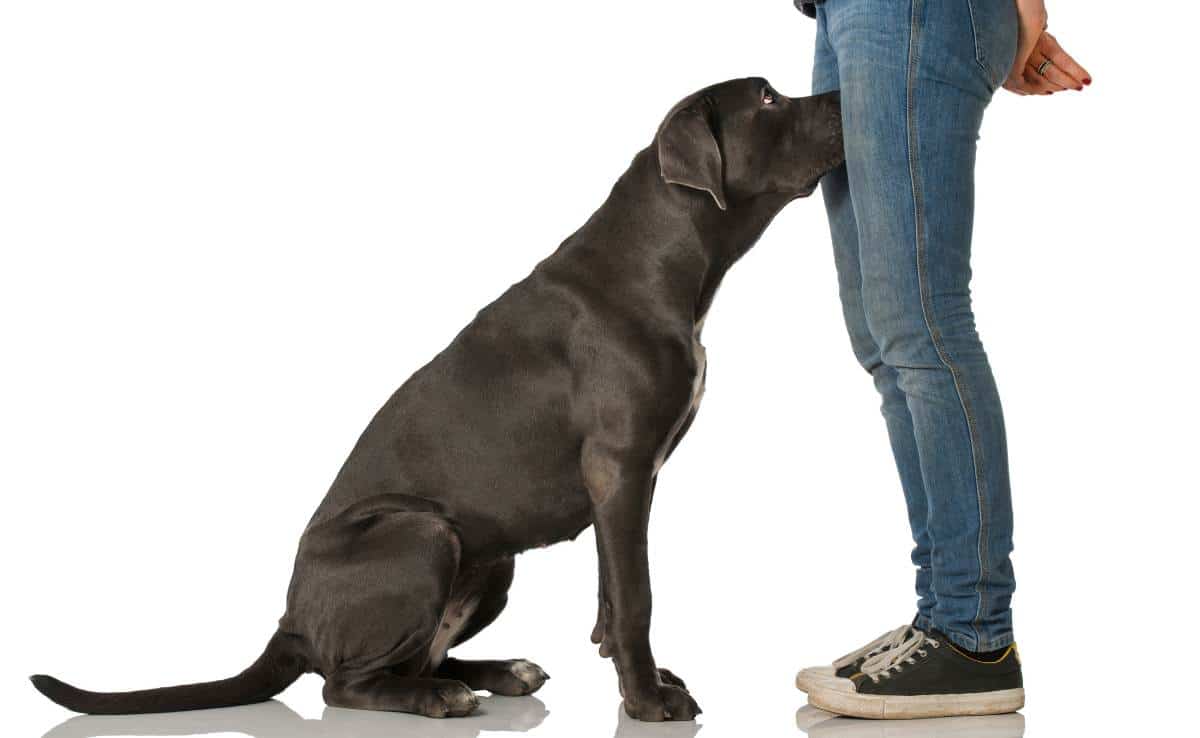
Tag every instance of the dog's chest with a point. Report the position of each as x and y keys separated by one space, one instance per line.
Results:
x=701 y=357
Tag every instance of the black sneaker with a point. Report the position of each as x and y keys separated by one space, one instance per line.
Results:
x=852 y=662
x=925 y=676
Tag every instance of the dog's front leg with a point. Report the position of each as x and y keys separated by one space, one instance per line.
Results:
x=620 y=496
x=601 y=627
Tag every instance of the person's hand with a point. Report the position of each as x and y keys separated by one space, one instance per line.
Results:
x=1041 y=66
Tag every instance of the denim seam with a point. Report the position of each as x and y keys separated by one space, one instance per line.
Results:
x=980 y=57
x=926 y=307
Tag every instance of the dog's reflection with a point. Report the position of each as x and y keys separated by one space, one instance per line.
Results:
x=627 y=727
x=820 y=724
x=274 y=719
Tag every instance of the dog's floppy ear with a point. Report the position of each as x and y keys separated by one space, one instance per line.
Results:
x=688 y=154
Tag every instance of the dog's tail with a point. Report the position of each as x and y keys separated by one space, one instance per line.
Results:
x=280 y=664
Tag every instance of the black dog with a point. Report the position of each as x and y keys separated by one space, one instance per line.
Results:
x=552 y=410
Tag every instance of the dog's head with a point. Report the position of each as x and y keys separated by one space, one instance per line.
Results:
x=740 y=139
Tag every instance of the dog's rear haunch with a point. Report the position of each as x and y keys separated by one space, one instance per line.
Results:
x=553 y=410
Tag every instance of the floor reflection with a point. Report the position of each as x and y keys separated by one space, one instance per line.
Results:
x=820 y=724
x=276 y=720
x=627 y=727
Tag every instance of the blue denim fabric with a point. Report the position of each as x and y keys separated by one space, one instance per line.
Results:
x=915 y=77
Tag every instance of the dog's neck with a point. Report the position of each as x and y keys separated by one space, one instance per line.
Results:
x=684 y=243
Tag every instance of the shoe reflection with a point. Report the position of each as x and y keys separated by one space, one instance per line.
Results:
x=821 y=724
x=627 y=727
x=274 y=719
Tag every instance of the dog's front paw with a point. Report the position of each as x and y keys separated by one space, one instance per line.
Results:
x=666 y=676
x=670 y=702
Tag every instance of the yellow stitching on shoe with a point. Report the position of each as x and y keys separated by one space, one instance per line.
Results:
x=1003 y=656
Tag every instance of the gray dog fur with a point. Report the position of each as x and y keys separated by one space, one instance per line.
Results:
x=552 y=410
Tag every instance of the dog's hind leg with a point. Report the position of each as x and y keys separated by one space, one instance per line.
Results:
x=479 y=596
x=369 y=593
x=383 y=690
x=512 y=678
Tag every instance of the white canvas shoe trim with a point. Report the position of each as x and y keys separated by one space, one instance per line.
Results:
x=813 y=675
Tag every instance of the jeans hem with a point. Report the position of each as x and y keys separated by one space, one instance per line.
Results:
x=992 y=645
x=924 y=624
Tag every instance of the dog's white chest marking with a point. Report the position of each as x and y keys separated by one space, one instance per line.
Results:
x=454 y=620
x=701 y=365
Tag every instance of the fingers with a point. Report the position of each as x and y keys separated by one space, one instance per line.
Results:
x=1048 y=46
x=1016 y=87
x=1017 y=84
x=1029 y=82
x=1051 y=72
x=1047 y=69
x=1037 y=84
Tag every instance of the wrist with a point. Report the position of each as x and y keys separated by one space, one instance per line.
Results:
x=1032 y=12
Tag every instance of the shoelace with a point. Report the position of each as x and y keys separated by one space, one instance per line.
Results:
x=882 y=664
x=889 y=640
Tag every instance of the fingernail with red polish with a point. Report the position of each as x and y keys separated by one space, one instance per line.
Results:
x=1087 y=81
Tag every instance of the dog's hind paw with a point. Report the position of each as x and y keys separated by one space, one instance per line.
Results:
x=530 y=676
x=455 y=700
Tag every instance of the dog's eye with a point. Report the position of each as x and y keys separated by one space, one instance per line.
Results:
x=768 y=97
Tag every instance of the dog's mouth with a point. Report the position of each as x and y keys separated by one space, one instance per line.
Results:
x=825 y=169
x=836 y=156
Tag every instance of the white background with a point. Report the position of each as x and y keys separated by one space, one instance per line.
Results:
x=230 y=229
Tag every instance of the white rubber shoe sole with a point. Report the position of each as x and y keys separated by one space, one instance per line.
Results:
x=845 y=701
x=814 y=675
x=1011 y=725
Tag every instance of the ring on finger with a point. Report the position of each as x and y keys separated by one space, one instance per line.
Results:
x=1041 y=68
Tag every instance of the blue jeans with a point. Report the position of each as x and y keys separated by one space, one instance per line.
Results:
x=915 y=77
